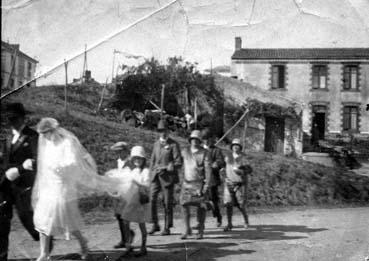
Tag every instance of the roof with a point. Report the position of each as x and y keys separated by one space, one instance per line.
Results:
x=239 y=92
x=12 y=47
x=301 y=54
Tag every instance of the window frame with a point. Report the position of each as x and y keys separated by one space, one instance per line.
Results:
x=348 y=121
x=347 y=77
x=29 y=69
x=317 y=71
x=280 y=73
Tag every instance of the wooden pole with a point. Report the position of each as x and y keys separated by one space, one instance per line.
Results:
x=66 y=85
x=102 y=95
x=244 y=132
x=229 y=130
x=162 y=100
x=195 y=113
x=112 y=70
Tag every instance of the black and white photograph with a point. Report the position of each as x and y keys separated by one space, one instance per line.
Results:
x=184 y=130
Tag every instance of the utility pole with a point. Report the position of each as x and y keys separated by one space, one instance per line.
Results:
x=211 y=66
x=102 y=95
x=66 y=84
x=112 y=70
x=162 y=100
x=195 y=112
x=84 y=65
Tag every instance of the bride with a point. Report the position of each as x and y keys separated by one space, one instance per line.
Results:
x=65 y=172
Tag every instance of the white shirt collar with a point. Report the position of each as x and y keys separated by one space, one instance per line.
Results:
x=16 y=134
x=236 y=155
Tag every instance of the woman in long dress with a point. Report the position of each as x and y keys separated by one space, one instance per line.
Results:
x=65 y=171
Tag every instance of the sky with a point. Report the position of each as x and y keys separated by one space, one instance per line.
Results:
x=201 y=31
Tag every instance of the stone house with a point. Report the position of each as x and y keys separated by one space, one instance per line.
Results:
x=274 y=125
x=17 y=67
x=330 y=84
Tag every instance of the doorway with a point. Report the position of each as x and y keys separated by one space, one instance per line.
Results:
x=274 y=135
x=318 y=124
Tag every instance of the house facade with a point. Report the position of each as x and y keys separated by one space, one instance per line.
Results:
x=17 y=68
x=330 y=84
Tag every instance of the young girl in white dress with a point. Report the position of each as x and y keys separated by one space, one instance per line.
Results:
x=136 y=208
x=65 y=172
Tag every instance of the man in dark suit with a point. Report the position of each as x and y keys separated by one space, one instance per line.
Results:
x=217 y=163
x=165 y=161
x=17 y=176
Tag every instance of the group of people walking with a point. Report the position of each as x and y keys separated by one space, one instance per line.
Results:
x=45 y=173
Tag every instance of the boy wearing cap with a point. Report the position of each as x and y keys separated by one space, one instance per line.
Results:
x=17 y=179
x=196 y=181
x=165 y=161
x=123 y=161
x=235 y=187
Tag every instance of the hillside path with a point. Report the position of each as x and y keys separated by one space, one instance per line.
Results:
x=311 y=234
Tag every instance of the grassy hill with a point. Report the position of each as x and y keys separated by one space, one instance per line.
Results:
x=276 y=180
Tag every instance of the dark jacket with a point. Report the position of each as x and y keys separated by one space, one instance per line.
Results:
x=216 y=155
x=19 y=190
x=162 y=156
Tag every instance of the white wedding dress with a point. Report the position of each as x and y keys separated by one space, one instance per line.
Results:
x=56 y=210
x=65 y=173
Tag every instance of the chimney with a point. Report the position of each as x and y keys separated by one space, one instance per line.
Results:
x=238 y=43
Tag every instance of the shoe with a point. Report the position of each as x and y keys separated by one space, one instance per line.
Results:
x=197 y=227
x=84 y=250
x=185 y=235
x=246 y=226
x=142 y=252
x=228 y=228
x=219 y=223
x=43 y=258
x=132 y=235
x=199 y=236
x=127 y=253
x=121 y=244
x=155 y=228
x=165 y=232
x=51 y=246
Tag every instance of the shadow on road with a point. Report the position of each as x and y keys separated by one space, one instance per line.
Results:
x=214 y=245
x=264 y=232
x=169 y=252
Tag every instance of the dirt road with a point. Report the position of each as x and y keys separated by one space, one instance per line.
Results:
x=312 y=234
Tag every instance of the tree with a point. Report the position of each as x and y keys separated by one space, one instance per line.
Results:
x=142 y=84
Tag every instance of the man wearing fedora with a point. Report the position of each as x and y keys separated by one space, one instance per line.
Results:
x=196 y=181
x=236 y=178
x=17 y=176
x=165 y=161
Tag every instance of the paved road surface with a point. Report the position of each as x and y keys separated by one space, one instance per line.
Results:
x=312 y=234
